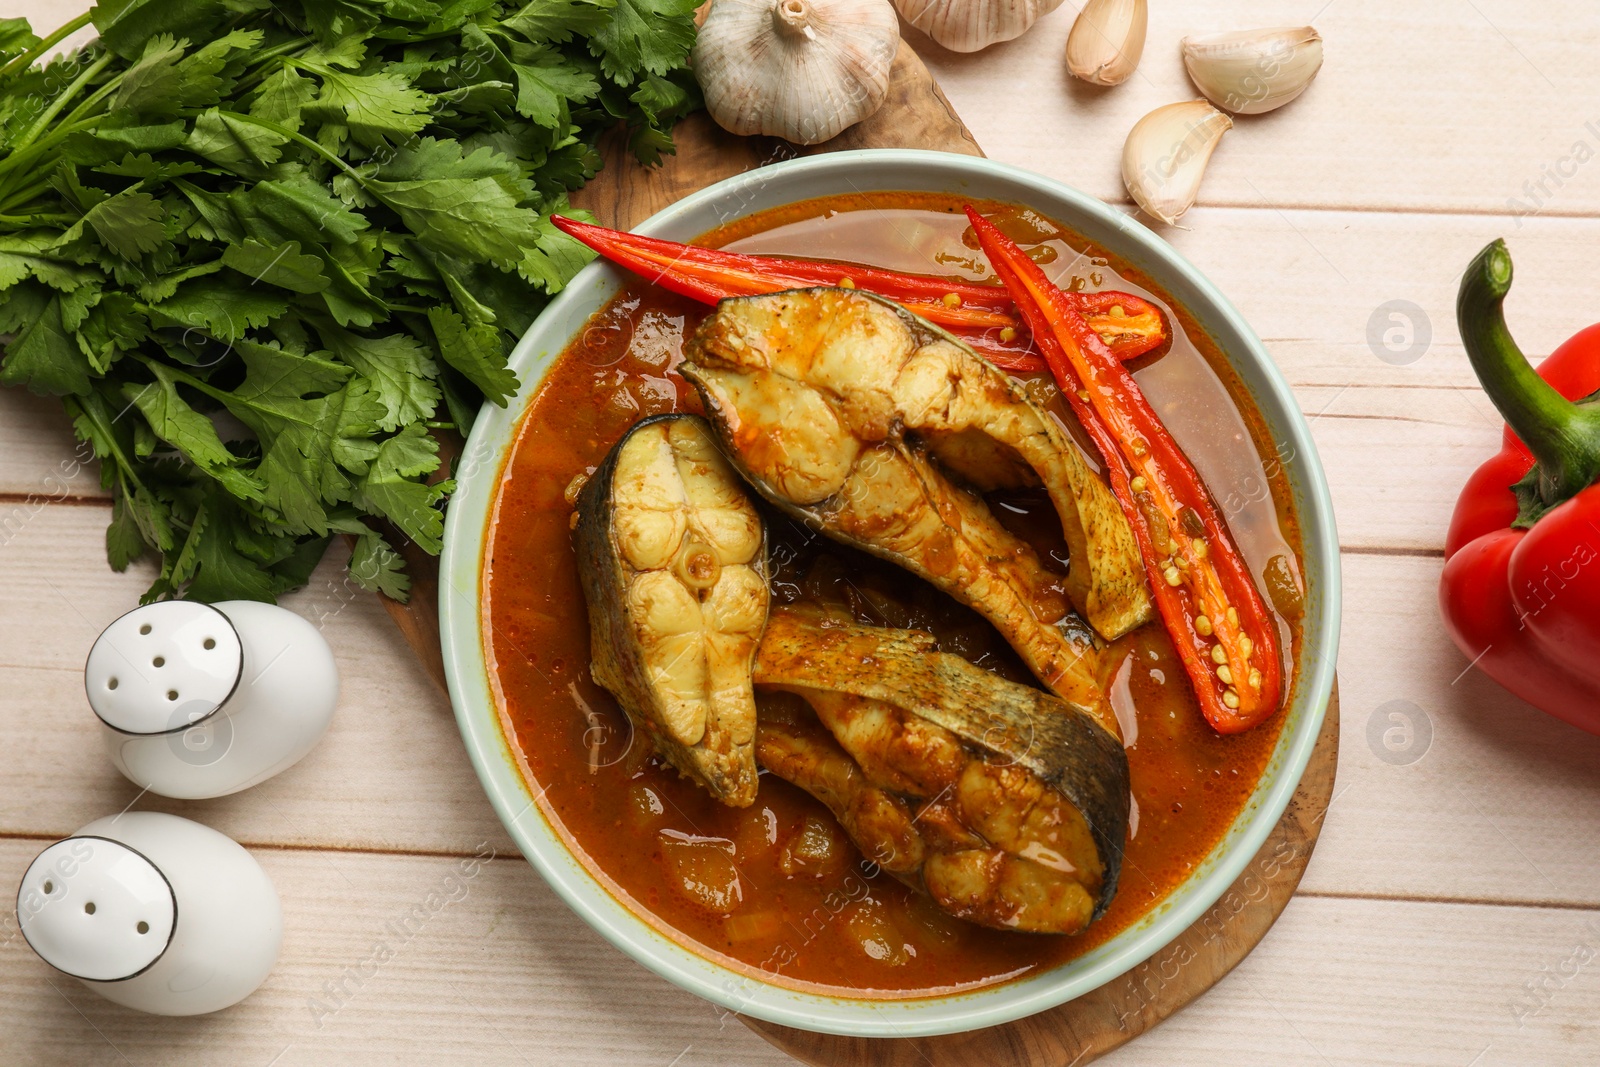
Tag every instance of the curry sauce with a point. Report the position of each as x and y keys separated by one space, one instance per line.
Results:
x=776 y=889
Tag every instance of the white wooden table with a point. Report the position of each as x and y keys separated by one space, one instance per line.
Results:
x=1451 y=914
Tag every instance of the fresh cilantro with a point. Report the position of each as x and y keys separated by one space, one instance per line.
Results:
x=265 y=252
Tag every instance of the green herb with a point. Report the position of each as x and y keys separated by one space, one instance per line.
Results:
x=260 y=248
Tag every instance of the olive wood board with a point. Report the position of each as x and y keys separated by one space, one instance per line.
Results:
x=917 y=115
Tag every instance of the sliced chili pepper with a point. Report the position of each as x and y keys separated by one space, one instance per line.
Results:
x=981 y=315
x=1211 y=607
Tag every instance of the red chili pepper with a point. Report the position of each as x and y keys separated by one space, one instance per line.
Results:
x=1219 y=624
x=981 y=315
x=1521 y=585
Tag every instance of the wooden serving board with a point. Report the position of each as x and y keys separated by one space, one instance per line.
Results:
x=917 y=115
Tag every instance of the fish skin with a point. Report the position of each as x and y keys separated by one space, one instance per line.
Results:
x=1017 y=728
x=651 y=631
x=811 y=391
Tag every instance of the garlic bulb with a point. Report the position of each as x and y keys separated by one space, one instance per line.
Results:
x=1166 y=154
x=1107 y=40
x=970 y=25
x=802 y=70
x=1252 y=71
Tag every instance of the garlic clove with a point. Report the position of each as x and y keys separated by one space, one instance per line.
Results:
x=1166 y=153
x=1250 y=72
x=971 y=25
x=803 y=70
x=1107 y=40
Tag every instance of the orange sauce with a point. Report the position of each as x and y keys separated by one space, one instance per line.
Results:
x=842 y=926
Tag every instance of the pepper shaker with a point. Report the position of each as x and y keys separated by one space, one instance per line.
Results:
x=153 y=912
x=199 y=700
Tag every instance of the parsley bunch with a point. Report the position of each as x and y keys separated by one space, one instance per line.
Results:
x=261 y=249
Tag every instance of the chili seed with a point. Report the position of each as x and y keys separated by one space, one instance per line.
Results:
x=1138 y=484
x=1172 y=576
x=1201 y=548
x=1202 y=626
x=952 y=300
x=1255 y=679
x=1246 y=646
x=1008 y=334
x=1225 y=674
x=847 y=282
x=1083 y=394
x=1218 y=655
x=1139 y=447
x=1117 y=312
x=1231 y=699
x=1233 y=616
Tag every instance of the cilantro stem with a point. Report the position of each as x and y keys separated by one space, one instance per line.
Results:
x=263 y=69
x=48 y=115
x=95 y=414
x=24 y=195
x=35 y=220
x=35 y=151
x=25 y=60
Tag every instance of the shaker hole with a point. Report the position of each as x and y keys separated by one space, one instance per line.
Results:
x=88 y=909
x=111 y=683
x=209 y=643
x=159 y=661
x=49 y=887
x=143 y=927
x=172 y=694
x=145 y=629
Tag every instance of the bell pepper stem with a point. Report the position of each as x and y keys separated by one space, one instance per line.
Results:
x=1562 y=436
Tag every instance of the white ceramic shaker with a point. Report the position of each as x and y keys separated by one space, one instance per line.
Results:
x=199 y=700
x=153 y=912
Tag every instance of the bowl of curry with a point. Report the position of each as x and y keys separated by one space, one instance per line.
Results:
x=785 y=854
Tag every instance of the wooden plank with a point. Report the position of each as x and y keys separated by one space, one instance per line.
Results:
x=1501 y=783
x=496 y=970
x=1497 y=793
x=487 y=965
x=1358 y=983
x=1444 y=106
x=391 y=774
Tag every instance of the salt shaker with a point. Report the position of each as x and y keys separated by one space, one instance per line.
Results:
x=199 y=700
x=154 y=912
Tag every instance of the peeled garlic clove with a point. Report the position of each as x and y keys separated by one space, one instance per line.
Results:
x=1166 y=154
x=970 y=25
x=1252 y=71
x=802 y=70
x=1107 y=40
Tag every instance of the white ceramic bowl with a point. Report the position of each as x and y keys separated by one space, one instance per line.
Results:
x=854 y=172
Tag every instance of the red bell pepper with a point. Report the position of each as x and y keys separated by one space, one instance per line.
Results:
x=1521 y=586
x=1218 y=622
x=983 y=316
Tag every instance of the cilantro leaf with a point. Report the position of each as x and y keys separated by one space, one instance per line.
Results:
x=190 y=432
x=220 y=307
x=461 y=206
x=475 y=351
x=129 y=224
x=645 y=36
x=390 y=487
x=242 y=147
x=558 y=21
x=547 y=83
x=282 y=265
x=43 y=356
x=282 y=97
x=377 y=107
x=398 y=368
